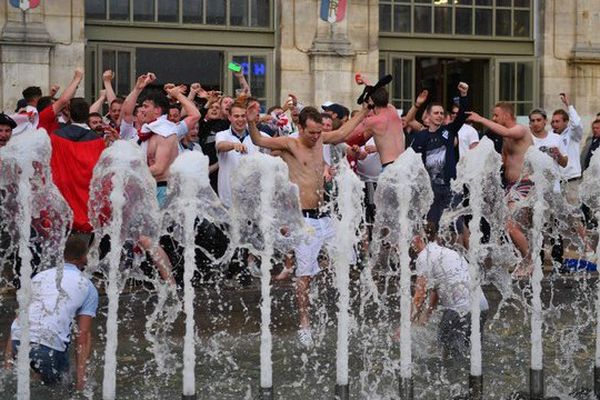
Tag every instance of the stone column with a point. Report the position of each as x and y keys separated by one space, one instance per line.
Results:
x=331 y=62
x=40 y=48
x=318 y=60
x=25 y=61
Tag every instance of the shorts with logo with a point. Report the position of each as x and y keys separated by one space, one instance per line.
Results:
x=319 y=232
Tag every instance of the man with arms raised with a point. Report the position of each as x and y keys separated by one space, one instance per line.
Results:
x=516 y=141
x=304 y=157
x=384 y=125
x=158 y=135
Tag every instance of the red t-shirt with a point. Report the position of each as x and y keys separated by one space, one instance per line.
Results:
x=48 y=120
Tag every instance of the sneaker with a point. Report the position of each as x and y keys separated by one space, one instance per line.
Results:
x=254 y=269
x=305 y=338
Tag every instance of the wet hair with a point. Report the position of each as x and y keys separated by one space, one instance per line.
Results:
x=159 y=100
x=77 y=246
x=538 y=111
x=380 y=97
x=562 y=113
x=506 y=107
x=31 y=93
x=433 y=104
x=79 y=110
x=44 y=102
x=309 y=113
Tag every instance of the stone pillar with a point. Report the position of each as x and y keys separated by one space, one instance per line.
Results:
x=40 y=47
x=571 y=59
x=318 y=59
x=25 y=56
x=331 y=62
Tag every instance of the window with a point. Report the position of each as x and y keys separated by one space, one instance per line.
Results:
x=119 y=61
x=494 y=18
x=401 y=88
x=515 y=83
x=256 y=69
x=234 y=13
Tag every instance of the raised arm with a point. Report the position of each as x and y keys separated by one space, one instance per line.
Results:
x=243 y=83
x=267 y=142
x=461 y=117
x=574 y=119
x=69 y=92
x=97 y=105
x=411 y=115
x=340 y=135
x=192 y=113
x=516 y=132
x=107 y=78
x=131 y=99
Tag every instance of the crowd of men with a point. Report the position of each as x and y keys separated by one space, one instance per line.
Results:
x=169 y=120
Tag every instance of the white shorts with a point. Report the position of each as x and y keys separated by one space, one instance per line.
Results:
x=318 y=232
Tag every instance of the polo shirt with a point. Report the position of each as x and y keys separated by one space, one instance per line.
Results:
x=51 y=313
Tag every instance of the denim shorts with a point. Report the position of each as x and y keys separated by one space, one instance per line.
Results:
x=51 y=364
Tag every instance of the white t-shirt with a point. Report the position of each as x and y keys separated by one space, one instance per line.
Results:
x=448 y=272
x=467 y=135
x=369 y=169
x=552 y=140
x=50 y=313
x=229 y=160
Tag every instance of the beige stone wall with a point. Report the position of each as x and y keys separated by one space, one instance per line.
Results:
x=52 y=49
x=316 y=77
x=571 y=55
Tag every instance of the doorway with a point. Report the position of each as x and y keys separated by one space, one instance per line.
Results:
x=441 y=77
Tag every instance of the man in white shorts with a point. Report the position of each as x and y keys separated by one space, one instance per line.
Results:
x=304 y=158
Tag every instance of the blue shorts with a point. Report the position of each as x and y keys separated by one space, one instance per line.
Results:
x=161 y=195
x=51 y=364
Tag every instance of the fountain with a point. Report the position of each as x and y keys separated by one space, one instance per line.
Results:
x=401 y=204
x=265 y=215
x=590 y=195
x=190 y=200
x=348 y=200
x=123 y=206
x=31 y=204
x=265 y=219
x=479 y=172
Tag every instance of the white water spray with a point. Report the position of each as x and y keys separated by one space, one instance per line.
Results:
x=349 y=202
x=590 y=195
x=402 y=199
x=122 y=205
x=544 y=175
x=479 y=171
x=190 y=200
x=265 y=215
x=31 y=202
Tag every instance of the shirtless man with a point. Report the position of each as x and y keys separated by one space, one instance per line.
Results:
x=158 y=135
x=517 y=140
x=304 y=158
x=384 y=125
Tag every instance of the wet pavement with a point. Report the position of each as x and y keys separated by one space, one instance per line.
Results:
x=227 y=346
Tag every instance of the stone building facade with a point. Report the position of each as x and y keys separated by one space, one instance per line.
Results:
x=524 y=51
x=39 y=47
